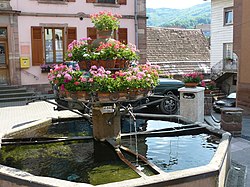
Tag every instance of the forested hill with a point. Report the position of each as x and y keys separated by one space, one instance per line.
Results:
x=185 y=18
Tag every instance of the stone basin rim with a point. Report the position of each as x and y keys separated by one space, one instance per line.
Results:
x=214 y=166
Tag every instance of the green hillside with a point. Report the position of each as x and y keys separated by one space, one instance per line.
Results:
x=186 y=18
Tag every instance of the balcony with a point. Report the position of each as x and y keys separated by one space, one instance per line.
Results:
x=230 y=65
x=223 y=67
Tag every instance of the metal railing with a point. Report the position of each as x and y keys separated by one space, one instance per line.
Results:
x=223 y=66
x=230 y=65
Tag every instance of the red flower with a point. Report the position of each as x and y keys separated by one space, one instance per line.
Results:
x=76 y=83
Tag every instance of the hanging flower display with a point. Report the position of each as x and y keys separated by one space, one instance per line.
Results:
x=105 y=20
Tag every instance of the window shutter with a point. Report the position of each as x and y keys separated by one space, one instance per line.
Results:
x=37 y=46
x=91 y=32
x=123 y=35
x=122 y=2
x=90 y=1
x=71 y=0
x=115 y=34
x=71 y=35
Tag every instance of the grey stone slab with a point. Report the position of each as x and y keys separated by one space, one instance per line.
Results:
x=246 y=127
x=242 y=156
x=240 y=145
x=236 y=175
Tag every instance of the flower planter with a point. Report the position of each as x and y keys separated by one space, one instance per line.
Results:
x=107 y=96
x=82 y=95
x=191 y=84
x=104 y=34
x=121 y=63
x=62 y=93
x=135 y=94
x=67 y=94
x=107 y=63
x=101 y=79
x=123 y=96
x=94 y=63
x=207 y=92
x=83 y=65
x=79 y=95
x=45 y=70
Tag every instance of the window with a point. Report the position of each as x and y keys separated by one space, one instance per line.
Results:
x=51 y=1
x=116 y=2
x=228 y=50
x=3 y=32
x=2 y=53
x=107 y=1
x=228 y=16
x=55 y=1
x=3 y=46
x=49 y=43
x=53 y=39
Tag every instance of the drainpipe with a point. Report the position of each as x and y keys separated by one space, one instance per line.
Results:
x=136 y=23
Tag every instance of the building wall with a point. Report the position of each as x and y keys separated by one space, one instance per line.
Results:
x=242 y=50
x=141 y=41
x=34 y=13
x=219 y=33
x=29 y=6
x=9 y=20
x=25 y=40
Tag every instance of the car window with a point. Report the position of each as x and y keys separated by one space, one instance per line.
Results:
x=232 y=96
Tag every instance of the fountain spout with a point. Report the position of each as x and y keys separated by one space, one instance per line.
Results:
x=129 y=110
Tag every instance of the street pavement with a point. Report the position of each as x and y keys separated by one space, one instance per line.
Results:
x=13 y=116
x=17 y=115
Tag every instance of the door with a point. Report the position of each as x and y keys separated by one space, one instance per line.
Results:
x=4 y=71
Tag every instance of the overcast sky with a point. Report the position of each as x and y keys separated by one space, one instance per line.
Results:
x=177 y=4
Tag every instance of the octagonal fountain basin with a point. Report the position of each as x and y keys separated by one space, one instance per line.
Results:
x=155 y=150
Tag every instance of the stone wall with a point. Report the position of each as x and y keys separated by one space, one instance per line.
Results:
x=231 y=120
x=208 y=104
x=243 y=97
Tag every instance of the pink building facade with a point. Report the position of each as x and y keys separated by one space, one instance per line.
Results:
x=37 y=32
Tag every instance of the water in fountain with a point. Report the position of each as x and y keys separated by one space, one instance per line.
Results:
x=132 y=117
x=92 y=162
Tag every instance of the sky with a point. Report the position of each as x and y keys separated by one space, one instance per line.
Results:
x=177 y=4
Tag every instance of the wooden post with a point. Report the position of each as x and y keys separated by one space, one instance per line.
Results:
x=106 y=122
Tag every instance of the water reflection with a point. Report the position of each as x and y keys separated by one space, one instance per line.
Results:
x=97 y=163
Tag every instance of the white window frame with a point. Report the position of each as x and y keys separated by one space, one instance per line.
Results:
x=227 y=18
x=228 y=50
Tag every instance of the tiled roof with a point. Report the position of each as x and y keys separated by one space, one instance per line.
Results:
x=171 y=44
x=183 y=67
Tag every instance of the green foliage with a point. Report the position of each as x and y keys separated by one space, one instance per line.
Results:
x=186 y=18
x=194 y=77
x=105 y=20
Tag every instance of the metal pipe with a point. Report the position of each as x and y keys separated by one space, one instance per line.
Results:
x=34 y=141
x=86 y=116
